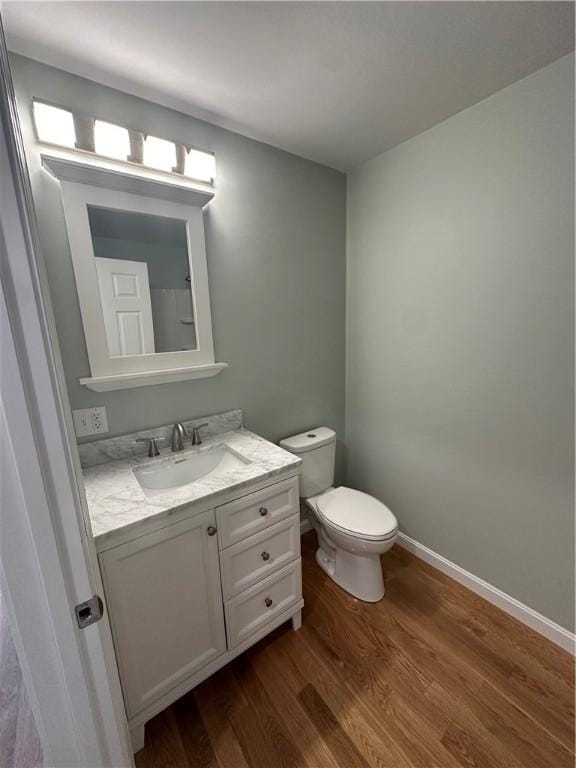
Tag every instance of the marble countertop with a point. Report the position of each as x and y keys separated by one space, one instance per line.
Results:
x=117 y=502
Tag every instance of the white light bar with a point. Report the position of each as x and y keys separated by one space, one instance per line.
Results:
x=200 y=165
x=159 y=153
x=111 y=140
x=54 y=125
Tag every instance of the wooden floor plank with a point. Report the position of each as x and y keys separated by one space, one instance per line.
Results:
x=537 y=671
x=363 y=725
x=282 y=741
x=164 y=748
x=419 y=730
x=430 y=677
x=543 y=703
x=519 y=732
x=215 y=700
x=193 y=734
x=511 y=632
x=339 y=743
x=467 y=685
x=284 y=686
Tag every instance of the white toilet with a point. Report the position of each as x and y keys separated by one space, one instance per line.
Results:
x=353 y=528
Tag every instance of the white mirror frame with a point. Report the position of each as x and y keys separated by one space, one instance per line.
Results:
x=136 y=370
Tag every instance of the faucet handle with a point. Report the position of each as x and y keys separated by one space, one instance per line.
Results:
x=196 y=439
x=152 y=444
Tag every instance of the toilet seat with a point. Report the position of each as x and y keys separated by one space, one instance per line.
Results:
x=357 y=514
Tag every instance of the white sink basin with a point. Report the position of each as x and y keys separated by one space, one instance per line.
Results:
x=184 y=469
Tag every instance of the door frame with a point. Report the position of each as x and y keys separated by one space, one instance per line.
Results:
x=48 y=558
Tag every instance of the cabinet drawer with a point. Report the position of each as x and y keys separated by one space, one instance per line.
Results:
x=257 y=511
x=251 y=610
x=260 y=556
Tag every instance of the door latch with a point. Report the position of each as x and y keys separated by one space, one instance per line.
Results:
x=89 y=612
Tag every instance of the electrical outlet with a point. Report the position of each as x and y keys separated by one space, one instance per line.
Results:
x=90 y=421
x=99 y=420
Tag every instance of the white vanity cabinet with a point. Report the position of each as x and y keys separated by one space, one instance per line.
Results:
x=165 y=603
x=185 y=599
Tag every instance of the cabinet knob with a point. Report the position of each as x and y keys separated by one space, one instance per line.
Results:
x=265 y=555
x=211 y=530
x=268 y=602
x=263 y=511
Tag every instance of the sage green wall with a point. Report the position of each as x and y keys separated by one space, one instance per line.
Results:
x=276 y=241
x=460 y=338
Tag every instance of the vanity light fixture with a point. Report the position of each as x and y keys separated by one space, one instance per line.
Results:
x=87 y=135
x=54 y=125
x=111 y=140
x=159 y=153
x=200 y=165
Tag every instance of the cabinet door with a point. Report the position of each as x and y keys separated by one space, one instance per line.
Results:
x=165 y=603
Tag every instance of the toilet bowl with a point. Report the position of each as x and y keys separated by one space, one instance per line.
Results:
x=353 y=528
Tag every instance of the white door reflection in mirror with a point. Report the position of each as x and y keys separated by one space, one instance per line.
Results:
x=144 y=279
x=126 y=304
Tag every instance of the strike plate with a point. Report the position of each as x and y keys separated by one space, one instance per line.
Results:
x=89 y=612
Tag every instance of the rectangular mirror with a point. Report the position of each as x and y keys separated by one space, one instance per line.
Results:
x=144 y=280
x=139 y=257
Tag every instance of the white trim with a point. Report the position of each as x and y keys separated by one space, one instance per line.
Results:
x=125 y=177
x=149 y=378
x=509 y=605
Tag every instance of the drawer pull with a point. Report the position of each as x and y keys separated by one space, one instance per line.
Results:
x=268 y=602
x=263 y=511
x=211 y=530
x=265 y=556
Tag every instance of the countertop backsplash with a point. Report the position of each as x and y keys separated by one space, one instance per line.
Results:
x=124 y=446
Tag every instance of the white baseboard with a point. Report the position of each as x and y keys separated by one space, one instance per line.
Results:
x=510 y=605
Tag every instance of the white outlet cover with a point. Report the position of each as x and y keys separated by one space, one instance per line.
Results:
x=90 y=421
x=99 y=420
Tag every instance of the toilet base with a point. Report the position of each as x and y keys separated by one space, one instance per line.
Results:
x=352 y=564
x=359 y=575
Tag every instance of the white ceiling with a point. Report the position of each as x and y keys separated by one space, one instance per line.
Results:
x=335 y=82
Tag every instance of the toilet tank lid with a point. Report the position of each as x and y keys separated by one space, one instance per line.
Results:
x=307 y=441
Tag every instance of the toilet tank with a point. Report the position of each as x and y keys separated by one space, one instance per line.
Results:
x=317 y=449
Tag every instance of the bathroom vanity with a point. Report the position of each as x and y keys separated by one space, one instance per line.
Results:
x=193 y=574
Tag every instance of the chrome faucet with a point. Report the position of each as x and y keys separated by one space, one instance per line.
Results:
x=196 y=438
x=178 y=435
